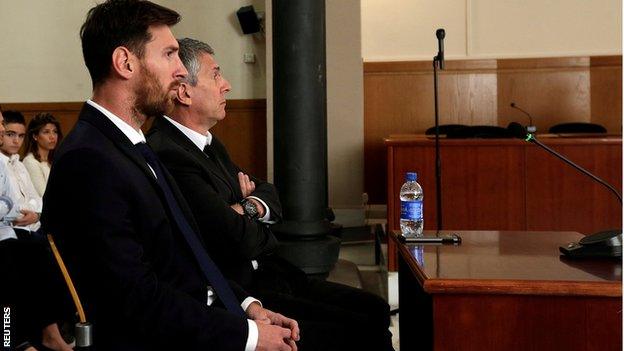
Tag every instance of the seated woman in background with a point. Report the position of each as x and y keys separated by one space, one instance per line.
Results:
x=42 y=136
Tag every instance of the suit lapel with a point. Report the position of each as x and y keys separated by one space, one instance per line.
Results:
x=209 y=167
x=94 y=117
x=219 y=158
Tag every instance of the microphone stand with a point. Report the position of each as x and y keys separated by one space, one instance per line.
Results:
x=438 y=162
x=606 y=243
x=531 y=138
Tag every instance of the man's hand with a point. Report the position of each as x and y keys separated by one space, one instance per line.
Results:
x=28 y=218
x=264 y=316
x=272 y=337
x=247 y=186
x=238 y=208
x=52 y=339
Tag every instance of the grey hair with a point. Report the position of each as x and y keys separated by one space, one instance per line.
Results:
x=190 y=52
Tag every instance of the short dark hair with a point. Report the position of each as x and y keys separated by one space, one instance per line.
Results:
x=11 y=116
x=35 y=125
x=116 y=23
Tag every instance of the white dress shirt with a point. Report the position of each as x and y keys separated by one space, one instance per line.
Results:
x=6 y=190
x=136 y=137
x=24 y=194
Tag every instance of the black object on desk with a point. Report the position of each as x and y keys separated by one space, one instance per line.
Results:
x=451 y=239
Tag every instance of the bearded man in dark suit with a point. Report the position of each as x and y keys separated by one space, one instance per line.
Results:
x=127 y=235
x=234 y=210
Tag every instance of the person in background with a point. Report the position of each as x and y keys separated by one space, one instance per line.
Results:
x=25 y=196
x=42 y=136
x=27 y=271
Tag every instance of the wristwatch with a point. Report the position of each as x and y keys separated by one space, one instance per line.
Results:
x=249 y=208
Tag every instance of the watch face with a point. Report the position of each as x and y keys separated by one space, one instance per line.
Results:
x=250 y=209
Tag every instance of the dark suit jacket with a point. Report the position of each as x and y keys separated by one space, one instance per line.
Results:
x=233 y=240
x=138 y=279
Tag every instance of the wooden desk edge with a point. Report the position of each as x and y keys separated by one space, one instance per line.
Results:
x=507 y=287
x=523 y=287
x=415 y=139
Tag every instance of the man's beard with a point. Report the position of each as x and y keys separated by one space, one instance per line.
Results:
x=152 y=100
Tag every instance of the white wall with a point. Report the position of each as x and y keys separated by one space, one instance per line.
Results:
x=537 y=28
x=41 y=57
x=215 y=23
x=405 y=29
x=402 y=30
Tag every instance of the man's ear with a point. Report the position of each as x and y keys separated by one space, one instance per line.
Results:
x=184 y=95
x=124 y=62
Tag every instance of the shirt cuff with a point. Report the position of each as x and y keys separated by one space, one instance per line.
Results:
x=252 y=336
x=267 y=211
x=248 y=301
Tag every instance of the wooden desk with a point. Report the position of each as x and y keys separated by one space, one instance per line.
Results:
x=509 y=184
x=507 y=291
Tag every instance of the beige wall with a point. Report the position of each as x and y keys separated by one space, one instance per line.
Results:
x=345 y=121
x=215 y=23
x=398 y=30
x=41 y=56
x=404 y=29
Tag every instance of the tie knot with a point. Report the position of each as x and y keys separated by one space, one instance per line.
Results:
x=145 y=150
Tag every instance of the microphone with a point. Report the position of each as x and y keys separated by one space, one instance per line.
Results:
x=440 y=34
x=530 y=128
x=603 y=244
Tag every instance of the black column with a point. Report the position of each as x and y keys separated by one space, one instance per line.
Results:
x=300 y=130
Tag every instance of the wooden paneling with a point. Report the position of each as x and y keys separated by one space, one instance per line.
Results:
x=398 y=98
x=508 y=184
x=401 y=101
x=606 y=92
x=244 y=134
x=559 y=196
x=243 y=131
x=478 y=182
x=527 y=323
x=551 y=90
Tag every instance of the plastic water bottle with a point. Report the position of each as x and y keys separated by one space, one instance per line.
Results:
x=411 y=206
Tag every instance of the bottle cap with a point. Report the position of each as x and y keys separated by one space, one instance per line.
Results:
x=411 y=176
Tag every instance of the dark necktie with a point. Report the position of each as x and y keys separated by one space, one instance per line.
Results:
x=208 y=267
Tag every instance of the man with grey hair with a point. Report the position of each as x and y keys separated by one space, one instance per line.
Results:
x=234 y=212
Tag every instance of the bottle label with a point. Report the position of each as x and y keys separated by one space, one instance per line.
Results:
x=411 y=210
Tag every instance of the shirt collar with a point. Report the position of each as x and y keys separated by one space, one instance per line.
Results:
x=135 y=136
x=4 y=158
x=200 y=140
